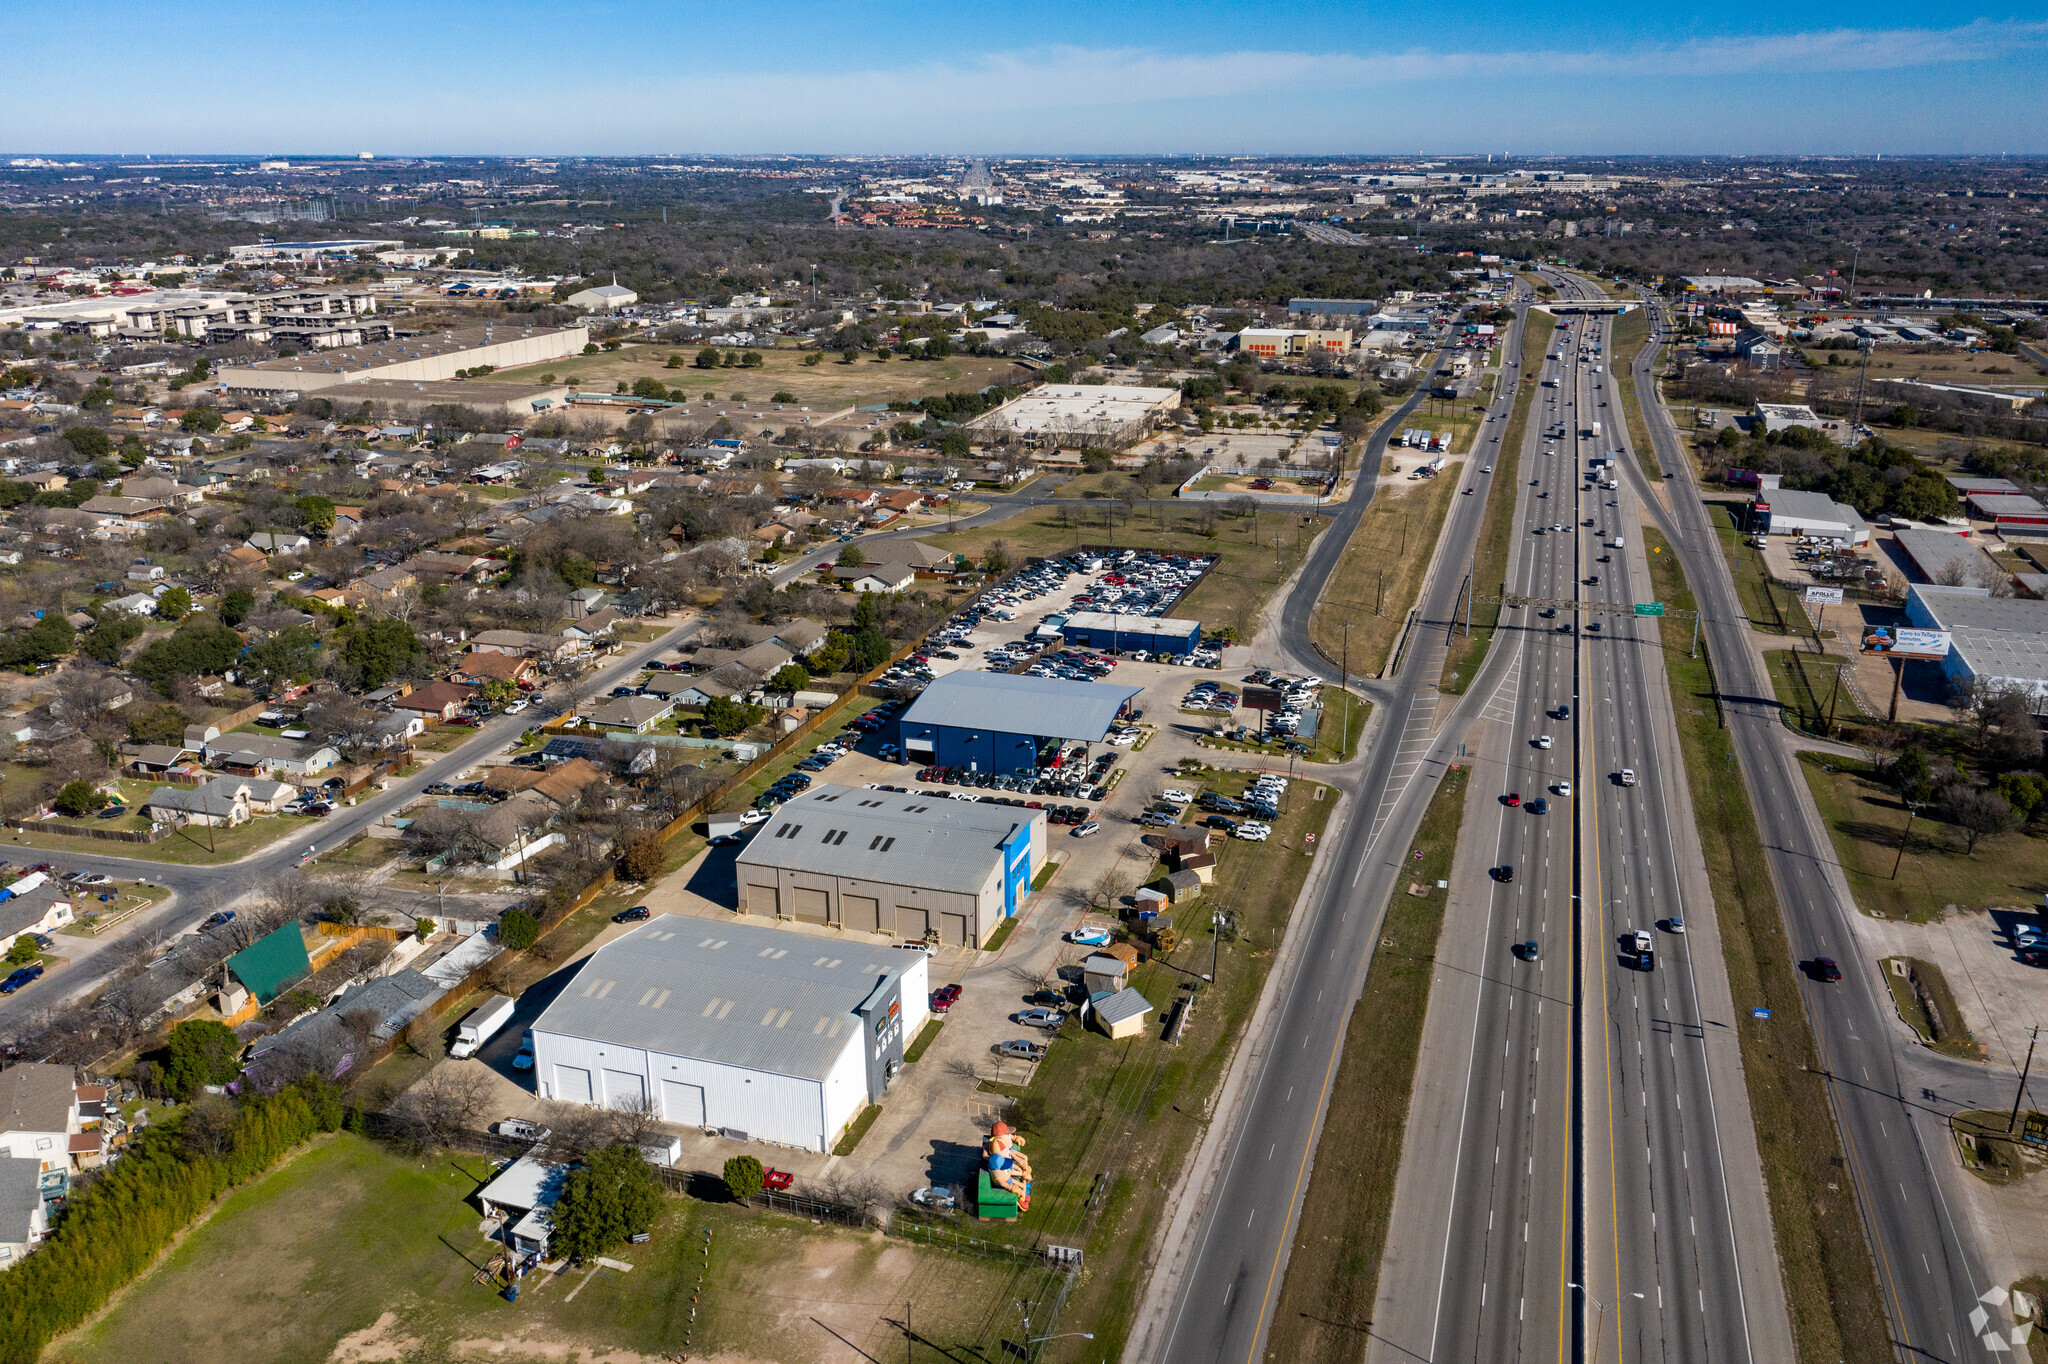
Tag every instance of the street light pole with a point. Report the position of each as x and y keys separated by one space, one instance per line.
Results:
x=2033 y=1035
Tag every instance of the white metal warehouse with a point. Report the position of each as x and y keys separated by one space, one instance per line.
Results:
x=777 y=1035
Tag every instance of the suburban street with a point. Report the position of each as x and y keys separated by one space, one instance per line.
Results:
x=1221 y=1285
x=1887 y=1105
x=226 y=884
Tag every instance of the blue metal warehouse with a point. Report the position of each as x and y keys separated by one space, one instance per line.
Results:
x=998 y=722
x=1106 y=630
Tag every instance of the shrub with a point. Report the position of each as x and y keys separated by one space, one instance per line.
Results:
x=517 y=929
x=743 y=1177
x=641 y=856
x=200 y=1052
x=612 y=1197
x=80 y=798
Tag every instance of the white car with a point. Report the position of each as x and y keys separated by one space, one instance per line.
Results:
x=1628 y=776
x=1177 y=797
x=1252 y=833
x=1642 y=940
x=1563 y=788
x=521 y=704
x=1543 y=741
x=755 y=816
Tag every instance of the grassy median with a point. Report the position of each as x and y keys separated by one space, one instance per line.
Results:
x=1497 y=531
x=1631 y=330
x=1381 y=571
x=1830 y=1281
x=1333 y=1273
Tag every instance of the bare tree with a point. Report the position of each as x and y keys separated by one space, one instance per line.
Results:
x=1978 y=813
x=450 y=1101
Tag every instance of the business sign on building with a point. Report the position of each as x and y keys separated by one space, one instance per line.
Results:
x=1904 y=643
x=1263 y=698
x=1822 y=596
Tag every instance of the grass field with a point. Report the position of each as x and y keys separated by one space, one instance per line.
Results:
x=1497 y=531
x=832 y=383
x=1630 y=331
x=1830 y=1282
x=186 y=847
x=1333 y=1273
x=1111 y=1122
x=1809 y=690
x=1987 y=368
x=352 y=1252
x=1866 y=819
x=1250 y=564
x=1921 y=995
x=1379 y=575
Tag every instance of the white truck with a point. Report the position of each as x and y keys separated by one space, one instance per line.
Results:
x=477 y=1029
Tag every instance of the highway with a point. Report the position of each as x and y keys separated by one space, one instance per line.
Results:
x=1889 y=1100
x=1219 y=1288
x=201 y=890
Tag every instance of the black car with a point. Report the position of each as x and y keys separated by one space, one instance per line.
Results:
x=1504 y=873
x=1823 y=969
x=633 y=915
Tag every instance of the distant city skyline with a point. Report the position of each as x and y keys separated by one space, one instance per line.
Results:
x=627 y=77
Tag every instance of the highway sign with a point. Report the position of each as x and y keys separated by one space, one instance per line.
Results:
x=1760 y=1013
x=1649 y=608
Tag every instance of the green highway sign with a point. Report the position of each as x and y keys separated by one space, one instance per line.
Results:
x=1649 y=608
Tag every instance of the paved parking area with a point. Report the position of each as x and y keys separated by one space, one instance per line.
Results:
x=2001 y=997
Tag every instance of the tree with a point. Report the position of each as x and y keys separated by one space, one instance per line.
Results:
x=708 y=358
x=79 y=798
x=497 y=692
x=851 y=556
x=22 y=950
x=174 y=605
x=812 y=359
x=2025 y=792
x=236 y=605
x=849 y=355
x=163 y=724
x=790 y=677
x=997 y=559
x=870 y=649
x=204 y=418
x=1978 y=813
x=728 y=716
x=317 y=511
x=48 y=640
x=89 y=441
x=641 y=855
x=744 y=1177
x=197 y=647
x=200 y=1052
x=379 y=649
x=517 y=929
x=612 y=1197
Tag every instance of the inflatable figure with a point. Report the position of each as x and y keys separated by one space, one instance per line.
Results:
x=1006 y=1166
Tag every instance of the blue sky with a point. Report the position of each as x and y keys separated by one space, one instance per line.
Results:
x=1141 y=77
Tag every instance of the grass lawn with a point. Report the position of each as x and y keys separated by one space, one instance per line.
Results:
x=1770 y=608
x=830 y=385
x=1111 y=1122
x=1496 y=533
x=1808 y=688
x=185 y=847
x=1987 y=368
x=1630 y=331
x=1456 y=416
x=1250 y=566
x=1921 y=995
x=1830 y=1282
x=352 y=1251
x=1380 y=574
x=1866 y=818
x=1333 y=1273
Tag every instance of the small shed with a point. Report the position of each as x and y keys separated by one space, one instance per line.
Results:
x=524 y=1195
x=1180 y=886
x=1202 y=864
x=1121 y=1013
x=1184 y=838
x=1101 y=972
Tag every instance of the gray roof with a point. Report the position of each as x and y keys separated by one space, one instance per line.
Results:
x=1789 y=504
x=1966 y=485
x=1044 y=707
x=19 y=913
x=732 y=994
x=627 y=710
x=1134 y=625
x=36 y=1097
x=21 y=1193
x=1997 y=636
x=1125 y=1003
x=215 y=799
x=1934 y=550
x=897 y=839
x=2006 y=504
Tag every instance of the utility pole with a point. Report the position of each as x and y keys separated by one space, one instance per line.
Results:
x=2033 y=1035
x=1862 y=379
x=1912 y=808
x=906 y=1333
x=1379 y=596
x=1832 y=694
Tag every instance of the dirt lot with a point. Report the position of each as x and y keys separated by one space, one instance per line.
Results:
x=828 y=385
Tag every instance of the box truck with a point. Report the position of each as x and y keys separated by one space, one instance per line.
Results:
x=476 y=1029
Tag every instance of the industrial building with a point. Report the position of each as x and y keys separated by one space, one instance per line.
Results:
x=1944 y=557
x=1000 y=722
x=1082 y=414
x=2007 y=509
x=305 y=251
x=1785 y=512
x=1331 y=307
x=1156 y=634
x=760 y=1032
x=874 y=861
x=2002 y=639
x=1282 y=343
x=431 y=357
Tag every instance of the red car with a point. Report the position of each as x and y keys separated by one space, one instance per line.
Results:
x=944 y=998
x=1514 y=798
x=778 y=1180
x=1825 y=970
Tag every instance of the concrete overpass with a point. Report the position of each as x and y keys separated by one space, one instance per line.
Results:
x=1597 y=307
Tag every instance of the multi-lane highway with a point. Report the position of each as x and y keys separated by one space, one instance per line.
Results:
x=1220 y=1283
x=1929 y=1268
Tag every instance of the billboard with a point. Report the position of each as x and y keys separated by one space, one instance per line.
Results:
x=1822 y=596
x=1901 y=642
x=1263 y=698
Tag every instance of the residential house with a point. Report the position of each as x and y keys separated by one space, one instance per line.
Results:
x=480 y=667
x=222 y=802
x=143 y=571
x=594 y=626
x=164 y=492
x=265 y=754
x=774 y=533
x=727 y=679
x=151 y=760
x=800 y=636
x=900 y=502
x=586 y=600
x=44 y=907
x=347 y=521
x=437 y=700
x=242 y=557
x=24 y=1210
x=633 y=714
x=434 y=565
x=562 y=784
x=278 y=542
x=878 y=577
x=921 y=556
x=134 y=604
x=48 y=1117
x=546 y=648
x=860 y=499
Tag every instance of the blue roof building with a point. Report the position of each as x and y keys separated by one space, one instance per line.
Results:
x=999 y=722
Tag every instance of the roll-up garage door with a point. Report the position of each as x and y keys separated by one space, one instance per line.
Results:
x=624 y=1090
x=572 y=1084
x=763 y=900
x=812 y=905
x=953 y=929
x=681 y=1103
x=861 y=912
x=911 y=923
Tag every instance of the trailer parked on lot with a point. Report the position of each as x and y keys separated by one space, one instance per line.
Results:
x=476 y=1029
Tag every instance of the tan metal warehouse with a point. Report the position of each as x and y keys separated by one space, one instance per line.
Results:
x=887 y=862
